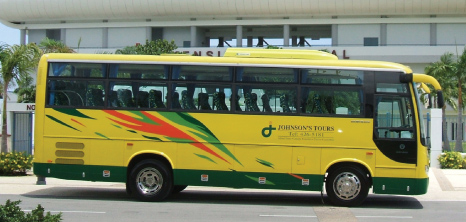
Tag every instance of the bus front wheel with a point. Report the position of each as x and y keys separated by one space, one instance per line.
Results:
x=347 y=186
x=150 y=180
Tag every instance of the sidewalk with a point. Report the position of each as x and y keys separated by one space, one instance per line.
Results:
x=445 y=185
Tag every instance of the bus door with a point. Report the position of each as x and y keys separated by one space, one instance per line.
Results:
x=394 y=128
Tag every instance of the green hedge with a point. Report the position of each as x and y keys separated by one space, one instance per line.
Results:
x=451 y=160
x=11 y=212
x=15 y=163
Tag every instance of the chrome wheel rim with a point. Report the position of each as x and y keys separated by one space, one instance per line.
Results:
x=149 y=181
x=347 y=186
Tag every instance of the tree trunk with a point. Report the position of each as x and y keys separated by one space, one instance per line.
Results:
x=4 y=121
x=446 y=142
x=459 y=125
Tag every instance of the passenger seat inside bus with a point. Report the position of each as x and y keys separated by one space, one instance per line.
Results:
x=94 y=97
x=238 y=107
x=155 y=99
x=112 y=99
x=203 y=101
x=219 y=101
x=284 y=103
x=251 y=102
x=143 y=99
x=187 y=102
x=266 y=103
x=176 y=101
x=125 y=98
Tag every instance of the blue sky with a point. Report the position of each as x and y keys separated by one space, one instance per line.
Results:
x=8 y=35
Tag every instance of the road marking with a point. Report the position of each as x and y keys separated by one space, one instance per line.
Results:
x=73 y=211
x=332 y=214
x=390 y=217
x=290 y=216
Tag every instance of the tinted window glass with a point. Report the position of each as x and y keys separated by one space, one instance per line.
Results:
x=138 y=71
x=77 y=70
x=329 y=76
x=338 y=102
x=267 y=75
x=202 y=73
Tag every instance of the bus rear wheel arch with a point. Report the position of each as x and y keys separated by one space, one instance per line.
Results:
x=150 y=180
x=347 y=184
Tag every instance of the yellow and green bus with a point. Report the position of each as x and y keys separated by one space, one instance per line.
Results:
x=255 y=118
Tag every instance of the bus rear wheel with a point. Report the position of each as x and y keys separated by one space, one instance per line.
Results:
x=347 y=186
x=151 y=180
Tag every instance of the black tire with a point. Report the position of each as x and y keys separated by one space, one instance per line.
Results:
x=178 y=188
x=151 y=180
x=347 y=186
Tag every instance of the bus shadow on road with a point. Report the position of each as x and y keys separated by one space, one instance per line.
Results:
x=289 y=199
x=85 y=193
x=259 y=197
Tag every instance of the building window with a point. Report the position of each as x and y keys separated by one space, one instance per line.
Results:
x=371 y=41
x=54 y=34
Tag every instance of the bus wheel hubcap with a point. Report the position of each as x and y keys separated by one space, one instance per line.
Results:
x=347 y=186
x=149 y=181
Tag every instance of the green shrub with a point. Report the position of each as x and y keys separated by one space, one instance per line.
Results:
x=464 y=164
x=451 y=160
x=15 y=163
x=11 y=212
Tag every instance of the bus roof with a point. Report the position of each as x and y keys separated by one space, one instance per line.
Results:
x=325 y=61
x=279 y=54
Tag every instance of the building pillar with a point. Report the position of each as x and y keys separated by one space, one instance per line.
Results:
x=433 y=34
x=63 y=35
x=206 y=42
x=221 y=42
x=261 y=41
x=105 y=38
x=435 y=136
x=194 y=36
x=286 y=35
x=383 y=34
x=302 y=41
x=250 y=40
x=22 y=36
x=239 y=36
x=149 y=33
x=334 y=35
x=294 y=41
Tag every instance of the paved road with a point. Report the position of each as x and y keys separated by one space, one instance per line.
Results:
x=86 y=201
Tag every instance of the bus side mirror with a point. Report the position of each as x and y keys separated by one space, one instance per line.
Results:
x=440 y=101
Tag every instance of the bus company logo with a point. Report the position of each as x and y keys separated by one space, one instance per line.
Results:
x=267 y=131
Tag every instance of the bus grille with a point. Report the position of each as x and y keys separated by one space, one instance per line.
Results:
x=69 y=153
x=69 y=161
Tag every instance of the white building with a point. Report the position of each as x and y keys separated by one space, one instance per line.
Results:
x=412 y=32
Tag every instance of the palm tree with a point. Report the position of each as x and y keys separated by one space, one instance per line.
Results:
x=26 y=90
x=53 y=46
x=460 y=77
x=442 y=71
x=16 y=61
